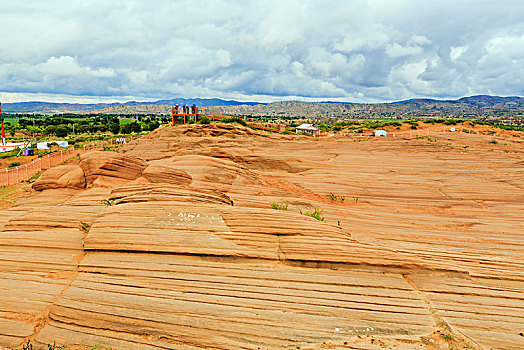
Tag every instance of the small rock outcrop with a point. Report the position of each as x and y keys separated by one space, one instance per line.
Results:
x=159 y=173
x=65 y=176
x=108 y=169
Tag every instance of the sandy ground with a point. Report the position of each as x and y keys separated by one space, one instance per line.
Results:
x=420 y=246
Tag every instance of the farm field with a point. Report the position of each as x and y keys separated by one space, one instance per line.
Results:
x=221 y=237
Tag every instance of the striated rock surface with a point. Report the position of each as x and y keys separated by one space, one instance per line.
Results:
x=159 y=173
x=421 y=245
x=64 y=176
x=108 y=169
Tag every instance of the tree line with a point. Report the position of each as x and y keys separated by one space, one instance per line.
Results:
x=63 y=125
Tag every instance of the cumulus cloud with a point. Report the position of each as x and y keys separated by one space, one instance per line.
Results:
x=68 y=66
x=353 y=50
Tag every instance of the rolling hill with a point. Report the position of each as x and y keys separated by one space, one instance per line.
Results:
x=480 y=106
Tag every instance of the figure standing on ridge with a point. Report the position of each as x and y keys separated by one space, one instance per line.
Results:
x=194 y=110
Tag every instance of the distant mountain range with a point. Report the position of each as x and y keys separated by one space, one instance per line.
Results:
x=474 y=106
x=53 y=108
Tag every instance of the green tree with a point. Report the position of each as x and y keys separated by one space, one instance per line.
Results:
x=61 y=131
x=131 y=127
x=152 y=125
x=135 y=127
x=114 y=127
x=34 y=129
x=49 y=130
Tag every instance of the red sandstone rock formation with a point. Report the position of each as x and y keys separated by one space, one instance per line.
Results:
x=424 y=251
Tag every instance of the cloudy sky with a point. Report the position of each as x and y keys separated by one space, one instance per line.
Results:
x=263 y=50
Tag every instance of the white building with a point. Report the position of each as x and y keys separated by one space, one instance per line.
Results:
x=307 y=129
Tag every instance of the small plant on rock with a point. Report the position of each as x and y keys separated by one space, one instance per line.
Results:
x=447 y=337
x=107 y=202
x=279 y=206
x=84 y=227
x=316 y=214
x=34 y=177
x=334 y=198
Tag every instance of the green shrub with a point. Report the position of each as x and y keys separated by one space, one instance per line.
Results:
x=34 y=177
x=77 y=139
x=279 y=206
x=29 y=346
x=334 y=198
x=234 y=120
x=9 y=154
x=108 y=202
x=13 y=164
x=204 y=120
x=84 y=227
x=493 y=141
x=447 y=336
x=316 y=214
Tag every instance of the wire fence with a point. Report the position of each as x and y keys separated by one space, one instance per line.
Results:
x=21 y=173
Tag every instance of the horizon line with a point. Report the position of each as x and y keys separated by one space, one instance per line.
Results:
x=284 y=99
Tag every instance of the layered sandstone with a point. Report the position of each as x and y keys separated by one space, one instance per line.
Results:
x=173 y=244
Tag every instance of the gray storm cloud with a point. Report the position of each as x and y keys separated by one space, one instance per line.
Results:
x=359 y=50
